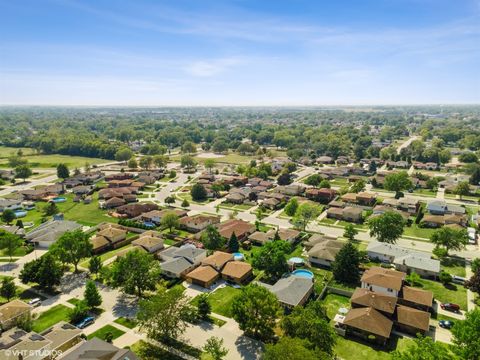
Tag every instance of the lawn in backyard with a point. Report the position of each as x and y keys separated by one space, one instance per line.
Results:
x=456 y=294
x=148 y=351
x=416 y=231
x=104 y=331
x=355 y=349
x=221 y=300
x=50 y=317
x=333 y=302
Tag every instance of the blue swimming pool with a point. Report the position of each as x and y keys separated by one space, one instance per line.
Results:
x=58 y=199
x=238 y=256
x=149 y=224
x=303 y=273
x=296 y=260
x=20 y=213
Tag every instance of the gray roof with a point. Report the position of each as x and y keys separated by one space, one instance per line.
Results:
x=419 y=262
x=457 y=209
x=393 y=250
x=98 y=349
x=52 y=230
x=176 y=265
x=290 y=290
x=8 y=202
x=188 y=252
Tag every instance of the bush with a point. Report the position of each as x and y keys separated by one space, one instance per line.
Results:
x=445 y=278
x=78 y=313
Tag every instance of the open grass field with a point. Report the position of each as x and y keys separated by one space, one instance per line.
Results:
x=51 y=317
x=6 y=151
x=102 y=332
x=416 y=231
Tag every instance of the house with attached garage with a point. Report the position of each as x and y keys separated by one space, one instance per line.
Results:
x=292 y=290
x=177 y=262
x=10 y=204
x=49 y=232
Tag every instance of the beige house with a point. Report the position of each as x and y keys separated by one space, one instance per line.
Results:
x=12 y=312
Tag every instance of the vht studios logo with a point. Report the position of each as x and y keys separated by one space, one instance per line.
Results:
x=25 y=354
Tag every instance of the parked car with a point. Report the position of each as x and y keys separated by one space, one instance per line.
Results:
x=458 y=279
x=446 y=324
x=85 y=322
x=35 y=302
x=450 y=307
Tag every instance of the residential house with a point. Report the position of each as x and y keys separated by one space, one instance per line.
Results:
x=366 y=321
x=291 y=291
x=384 y=303
x=198 y=222
x=366 y=198
x=134 y=210
x=323 y=253
x=260 y=238
x=241 y=229
x=109 y=237
x=156 y=216
x=12 y=312
x=49 y=232
x=177 y=262
x=290 y=190
x=382 y=280
x=62 y=336
x=237 y=272
x=113 y=203
x=317 y=239
x=322 y=195
x=412 y=321
x=98 y=349
x=271 y=203
x=325 y=160
x=416 y=298
x=10 y=204
x=151 y=244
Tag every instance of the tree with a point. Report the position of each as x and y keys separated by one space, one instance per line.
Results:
x=8 y=289
x=291 y=207
x=346 y=265
x=23 y=172
x=9 y=243
x=397 y=182
x=187 y=161
x=189 y=147
x=350 y=232
x=313 y=180
x=474 y=282
x=413 y=279
x=185 y=203
x=78 y=313
x=50 y=209
x=16 y=160
x=45 y=271
x=449 y=238
x=424 y=348
x=475 y=264
x=284 y=179
x=91 y=295
x=95 y=264
x=198 y=192
x=445 y=278
x=164 y=315
x=214 y=347
x=462 y=188
x=72 y=247
x=311 y=324
x=169 y=200
x=475 y=176
x=358 y=186
x=170 y=221
x=160 y=161
x=123 y=154
x=288 y=348
x=466 y=334
x=203 y=306
x=172 y=174
x=272 y=258
x=209 y=164
x=8 y=216
x=62 y=171
x=305 y=214
x=135 y=273
x=233 y=244
x=256 y=310
x=146 y=162
x=211 y=238
x=132 y=163
x=387 y=227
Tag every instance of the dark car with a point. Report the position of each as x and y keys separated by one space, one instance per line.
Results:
x=450 y=307
x=85 y=322
x=446 y=324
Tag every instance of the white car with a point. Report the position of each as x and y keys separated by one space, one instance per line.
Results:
x=472 y=235
x=35 y=302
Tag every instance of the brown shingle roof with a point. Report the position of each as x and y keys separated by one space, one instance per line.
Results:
x=418 y=296
x=204 y=273
x=375 y=300
x=13 y=309
x=386 y=278
x=370 y=320
x=218 y=259
x=236 y=269
x=412 y=317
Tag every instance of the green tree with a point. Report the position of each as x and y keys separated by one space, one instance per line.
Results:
x=135 y=273
x=8 y=216
x=9 y=243
x=445 y=278
x=413 y=279
x=123 y=154
x=462 y=189
x=172 y=174
x=198 y=192
x=185 y=203
x=474 y=282
x=189 y=147
x=170 y=221
x=358 y=186
x=313 y=180
x=305 y=214
x=91 y=295
x=233 y=244
x=160 y=161
x=397 y=182
x=346 y=267
x=45 y=271
x=475 y=264
x=62 y=171
x=424 y=348
x=450 y=239
x=203 y=306
x=50 y=209
x=325 y=184
x=211 y=238
x=72 y=247
x=209 y=164
x=387 y=227
x=288 y=348
x=256 y=310
x=214 y=347
x=169 y=200
x=272 y=258
x=78 y=313
x=188 y=162
x=95 y=264
x=23 y=172
x=466 y=334
x=291 y=207
x=350 y=232
x=8 y=289
x=132 y=163
x=164 y=315
x=146 y=162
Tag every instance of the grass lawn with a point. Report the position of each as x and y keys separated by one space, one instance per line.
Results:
x=353 y=349
x=231 y=158
x=102 y=332
x=454 y=266
x=22 y=294
x=221 y=300
x=108 y=255
x=6 y=151
x=50 y=317
x=333 y=302
x=74 y=301
x=51 y=161
x=425 y=192
x=148 y=351
x=129 y=323
x=456 y=294
x=416 y=231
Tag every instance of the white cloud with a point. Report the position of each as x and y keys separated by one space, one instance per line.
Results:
x=208 y=68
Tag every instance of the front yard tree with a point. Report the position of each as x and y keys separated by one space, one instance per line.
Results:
x=474 y=282
x=72 y=247
x=170 y=221
x=203 y=306
x=256 y=310
x=91 y=295
x=214 y=347
x=8 y=288
x=450 y=239
x=62 y=171
x=209 y=164
x=424 y=348
x=50 y=209
x=198 y=192
x=189 y=147
x=305 y=214
x=211 y=238
x=95 y=264
x=462 y=189
x=288 y=348
x=284 y=179
x=350 y=232
x=9 y=243
x=188 y=162
x=23 y=172
x=358 y=186
x=397 y=182
x=313 y=180
x=124 y=154
x=272 y=258
x=164 y=315
x=233 y=244
x=78 y=313
x=291 y=207
x=132 y=163
x=160 y=161
x=185 y=203
x=466 y=334
x=346 y=265
x=146 y=162
x=45 y=271
x=135 y=273
x=8 y=216
x=387 y=227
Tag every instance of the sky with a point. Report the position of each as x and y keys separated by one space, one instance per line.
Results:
x=239 y=52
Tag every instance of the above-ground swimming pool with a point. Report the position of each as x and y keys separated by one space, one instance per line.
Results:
x=149 y=224
x=303 y=273
x=296 y=261
x=20 y=213
x=58 y=199
x=238 y=256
